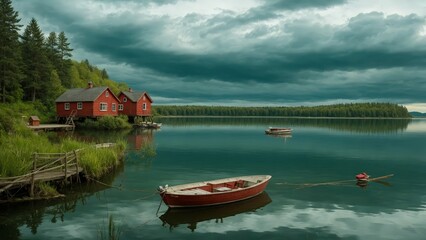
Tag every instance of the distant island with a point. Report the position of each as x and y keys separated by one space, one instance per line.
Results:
x=418 y=114
x=351 y=110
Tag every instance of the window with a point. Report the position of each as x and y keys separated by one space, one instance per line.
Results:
x=120 y=107
x=103 y=107
x=124 y=99
x=113 y=107
x=79 y=105
x=144 y=106
x=67 y=106
x=106 y=94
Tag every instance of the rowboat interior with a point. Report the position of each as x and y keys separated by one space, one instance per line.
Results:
x=227 y=185
x=220 y=187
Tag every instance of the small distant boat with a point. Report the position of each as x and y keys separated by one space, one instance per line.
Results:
x=362 y=177
x=215 y=192
x=151 y=125
x=278 y=131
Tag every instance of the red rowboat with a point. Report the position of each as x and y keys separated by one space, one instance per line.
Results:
x=278 y=131
x=214 y=192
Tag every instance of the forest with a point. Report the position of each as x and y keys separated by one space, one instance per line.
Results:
x=362 y=110
x=37 y=67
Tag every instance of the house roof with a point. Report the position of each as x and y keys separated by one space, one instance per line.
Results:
x=135 y=96
x=82 y=94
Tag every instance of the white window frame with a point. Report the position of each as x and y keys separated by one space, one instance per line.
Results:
x=143 y=106
x=106 y=94
x=103 y=107
x=67 y=106
x=124 y=99
x=120 y=107
x=113 y=107
x=79 y=105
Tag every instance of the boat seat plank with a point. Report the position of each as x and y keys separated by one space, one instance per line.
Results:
x=196 y=191
x=222 y=189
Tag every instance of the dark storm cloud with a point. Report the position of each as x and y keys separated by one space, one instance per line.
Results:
x=274 y=5
x=271 y=61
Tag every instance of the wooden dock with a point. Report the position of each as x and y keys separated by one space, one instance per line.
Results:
x=46 y=167
x=49 y=127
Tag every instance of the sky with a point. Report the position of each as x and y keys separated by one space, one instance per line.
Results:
x=249 y=52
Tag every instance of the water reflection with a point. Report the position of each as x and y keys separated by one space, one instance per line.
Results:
x=13 y=216
x=192 y=216
x=347 y=124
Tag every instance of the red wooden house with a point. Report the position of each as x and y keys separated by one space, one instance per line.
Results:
x=135 y=104
x=90 y=102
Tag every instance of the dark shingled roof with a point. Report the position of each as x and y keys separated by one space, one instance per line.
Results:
x=135 y=96
x=81 y=94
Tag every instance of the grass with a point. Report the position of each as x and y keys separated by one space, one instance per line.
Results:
x=111 y=232
x=17 y=150
x=97 y=162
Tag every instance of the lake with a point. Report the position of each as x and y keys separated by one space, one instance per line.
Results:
x=311 y=195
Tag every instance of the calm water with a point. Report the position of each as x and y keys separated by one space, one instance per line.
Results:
x=188 y=150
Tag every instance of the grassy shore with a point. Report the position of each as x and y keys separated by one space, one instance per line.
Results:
x=18 y=143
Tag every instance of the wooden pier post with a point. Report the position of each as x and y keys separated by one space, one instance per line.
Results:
x=66 y=167
x=32 y=175
x=76 y=166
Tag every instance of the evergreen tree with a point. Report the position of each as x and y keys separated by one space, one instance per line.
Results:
x=104 y=74
x=64 y=47
x=10 y=58
x=64 y=52
x=36 y=65
x=52 y=49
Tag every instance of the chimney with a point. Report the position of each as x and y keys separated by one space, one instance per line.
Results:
x=130 y=90
x=90 y=85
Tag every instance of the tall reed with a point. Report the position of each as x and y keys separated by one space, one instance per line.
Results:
x=111 y=232
x=98 y=161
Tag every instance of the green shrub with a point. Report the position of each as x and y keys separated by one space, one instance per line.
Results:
x=107 y=123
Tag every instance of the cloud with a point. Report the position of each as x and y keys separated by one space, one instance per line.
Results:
x=274 y=5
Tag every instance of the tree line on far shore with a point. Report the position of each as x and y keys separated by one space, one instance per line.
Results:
x=362 y=110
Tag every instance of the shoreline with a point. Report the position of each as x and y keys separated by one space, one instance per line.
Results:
x=284 y=117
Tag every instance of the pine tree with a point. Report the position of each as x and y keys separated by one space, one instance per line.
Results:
x=10 y=58
x=36 y=65
x=64 y=54
x=52 y=48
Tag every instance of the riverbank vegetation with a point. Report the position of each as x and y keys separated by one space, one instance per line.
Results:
x=361 y=110
x=106 y=123
x=18 y=149
x=19 y=143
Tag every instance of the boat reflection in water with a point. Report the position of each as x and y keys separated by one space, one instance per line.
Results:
x=191 y=216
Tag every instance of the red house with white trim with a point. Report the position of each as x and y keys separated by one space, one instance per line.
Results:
x=134 y=104
x=90 y=102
